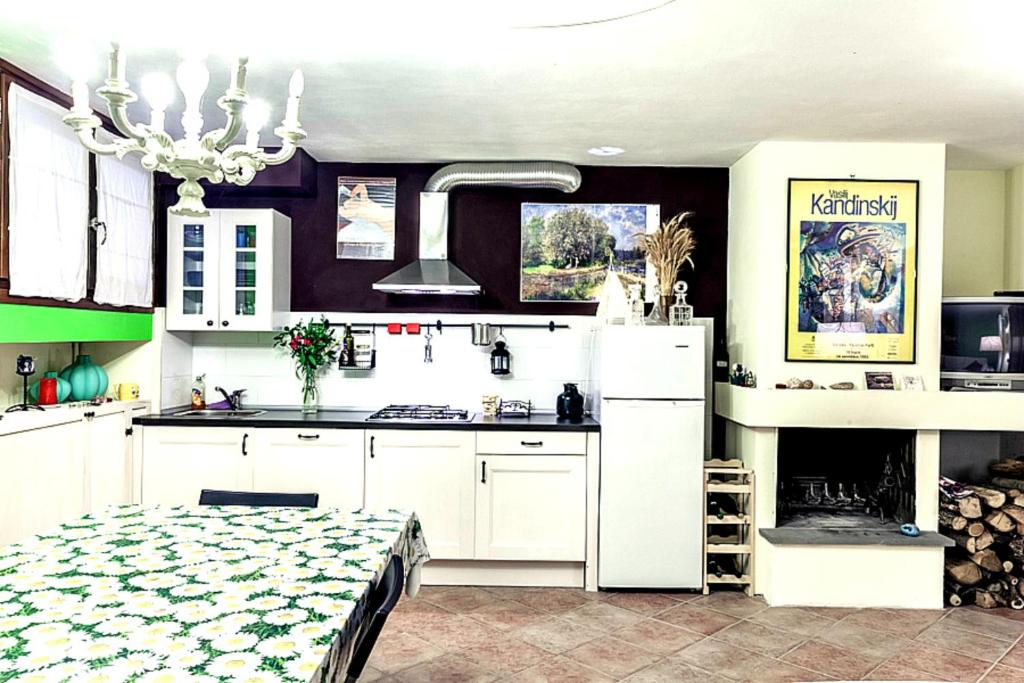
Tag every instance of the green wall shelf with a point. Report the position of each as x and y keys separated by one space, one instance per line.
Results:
x=21 y=324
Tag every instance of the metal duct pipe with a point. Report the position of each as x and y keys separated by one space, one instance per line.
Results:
x=553 y=175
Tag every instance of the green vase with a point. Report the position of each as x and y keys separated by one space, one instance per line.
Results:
x=63 y=388
x=87 y=379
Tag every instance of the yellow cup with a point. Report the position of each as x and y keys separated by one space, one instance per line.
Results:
x=127 y=391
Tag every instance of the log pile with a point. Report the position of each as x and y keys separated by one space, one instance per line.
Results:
x=987 y=524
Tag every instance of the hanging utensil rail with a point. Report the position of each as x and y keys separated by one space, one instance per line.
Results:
x=440 y=326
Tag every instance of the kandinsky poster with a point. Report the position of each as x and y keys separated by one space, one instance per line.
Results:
x=852 y=271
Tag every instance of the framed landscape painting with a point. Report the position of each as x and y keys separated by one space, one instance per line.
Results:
x=852 y=271
x=567 y=250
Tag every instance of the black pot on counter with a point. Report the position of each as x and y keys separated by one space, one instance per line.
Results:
x=569 y=403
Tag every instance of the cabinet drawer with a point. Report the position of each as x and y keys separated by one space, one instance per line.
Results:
x=292 y=437
x=532 y=443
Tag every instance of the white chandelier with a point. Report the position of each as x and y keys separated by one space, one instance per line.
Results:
x=196 y=156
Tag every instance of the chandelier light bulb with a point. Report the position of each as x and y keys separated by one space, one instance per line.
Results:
x=297 y=84
x=193 y=78
x=257 y=112
x=158 y=89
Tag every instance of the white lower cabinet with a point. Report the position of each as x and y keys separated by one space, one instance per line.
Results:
x=430 y=473
x=179 y=462
x=531 y=507
x=43 y=471
x=326 y=461
x=108 y=466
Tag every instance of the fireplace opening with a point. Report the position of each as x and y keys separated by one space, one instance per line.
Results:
x=845 y=478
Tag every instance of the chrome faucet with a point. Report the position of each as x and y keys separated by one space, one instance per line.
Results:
x=234 y=399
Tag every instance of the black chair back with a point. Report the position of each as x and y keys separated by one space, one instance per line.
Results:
x=382 y=600
x=257 y=499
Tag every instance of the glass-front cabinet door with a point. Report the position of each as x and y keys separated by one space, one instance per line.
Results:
x=192 y=273
x=246 y=241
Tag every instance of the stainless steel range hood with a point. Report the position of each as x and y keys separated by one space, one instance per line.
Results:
x=433 y=273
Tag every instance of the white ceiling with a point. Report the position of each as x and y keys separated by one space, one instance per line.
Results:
x=684 y=82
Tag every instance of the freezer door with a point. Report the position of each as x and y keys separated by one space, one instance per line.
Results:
x=652 y=362
x=650 y=531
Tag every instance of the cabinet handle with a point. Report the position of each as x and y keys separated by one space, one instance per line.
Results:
x=223 y=323
x=532 y=444
x=245 y=438
x=308 y=437
x=371 y=445
x=209 y=323
x=483 y=472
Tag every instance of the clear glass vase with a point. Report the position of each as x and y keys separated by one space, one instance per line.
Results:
x=310 y=395
x=658 y=314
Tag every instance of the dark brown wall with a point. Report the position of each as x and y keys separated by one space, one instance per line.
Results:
x=484 y=234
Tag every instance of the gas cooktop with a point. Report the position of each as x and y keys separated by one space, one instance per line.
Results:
x=420 y=413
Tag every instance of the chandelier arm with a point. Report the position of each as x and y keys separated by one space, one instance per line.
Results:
x=119 y=115
x=233 y=104
x=290 y=137
x=85 y=126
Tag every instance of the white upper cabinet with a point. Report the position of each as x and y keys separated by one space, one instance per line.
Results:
x=228 y=271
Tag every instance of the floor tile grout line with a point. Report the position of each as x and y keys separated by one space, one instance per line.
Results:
x=1001 y=658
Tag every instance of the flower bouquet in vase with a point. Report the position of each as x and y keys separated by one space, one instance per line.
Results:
x=313 y=347
x=667 y=248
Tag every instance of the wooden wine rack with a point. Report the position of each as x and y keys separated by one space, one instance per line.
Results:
x=729 y=477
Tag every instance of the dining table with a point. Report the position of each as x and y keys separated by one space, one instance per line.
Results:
x=159 y=594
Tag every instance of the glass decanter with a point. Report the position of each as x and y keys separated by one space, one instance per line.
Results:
x=680 y=313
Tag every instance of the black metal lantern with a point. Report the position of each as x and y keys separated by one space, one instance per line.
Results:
x=501 y=359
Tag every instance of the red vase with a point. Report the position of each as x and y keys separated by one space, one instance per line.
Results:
x=48 y=391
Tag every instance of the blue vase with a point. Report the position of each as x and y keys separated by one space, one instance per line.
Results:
x=63 y=388
x=87 y=379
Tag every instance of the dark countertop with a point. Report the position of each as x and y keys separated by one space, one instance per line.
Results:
x=356 y=419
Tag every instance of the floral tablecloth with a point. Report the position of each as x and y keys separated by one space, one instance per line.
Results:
x=162 y=594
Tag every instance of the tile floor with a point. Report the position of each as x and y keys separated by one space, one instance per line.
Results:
x=456 y=634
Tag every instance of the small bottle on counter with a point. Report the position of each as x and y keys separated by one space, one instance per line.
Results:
x=199 y=393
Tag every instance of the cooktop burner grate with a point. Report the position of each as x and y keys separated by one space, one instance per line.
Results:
x=420 y=413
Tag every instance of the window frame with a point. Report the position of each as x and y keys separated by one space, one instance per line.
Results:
x=10 y=74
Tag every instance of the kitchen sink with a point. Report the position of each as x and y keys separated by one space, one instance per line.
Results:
x=219 y=413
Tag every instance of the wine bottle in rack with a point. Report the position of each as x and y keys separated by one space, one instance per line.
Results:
x=722 y=504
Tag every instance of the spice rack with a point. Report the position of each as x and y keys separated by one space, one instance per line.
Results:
x=728 y=533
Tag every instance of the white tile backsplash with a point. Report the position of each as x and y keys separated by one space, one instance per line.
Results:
x=460 y=374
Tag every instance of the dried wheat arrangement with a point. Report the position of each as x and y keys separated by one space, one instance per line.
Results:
x=668 y=248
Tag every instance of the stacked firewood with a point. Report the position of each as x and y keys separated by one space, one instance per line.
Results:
x=987 y=523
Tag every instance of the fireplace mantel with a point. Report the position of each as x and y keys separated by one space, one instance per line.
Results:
x=920 y=410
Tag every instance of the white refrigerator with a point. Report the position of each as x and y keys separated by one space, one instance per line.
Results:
x=651 y=384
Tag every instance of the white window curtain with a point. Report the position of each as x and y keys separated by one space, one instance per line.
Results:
x=49 y=200
x=124 y=249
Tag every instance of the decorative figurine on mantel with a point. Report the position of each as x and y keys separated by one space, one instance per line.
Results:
x=742 y=378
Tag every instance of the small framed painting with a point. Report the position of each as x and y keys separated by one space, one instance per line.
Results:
x=912 y=383
x=879 y=380
x=366 y=218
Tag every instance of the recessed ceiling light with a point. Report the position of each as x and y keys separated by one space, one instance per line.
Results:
x=605 y=151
